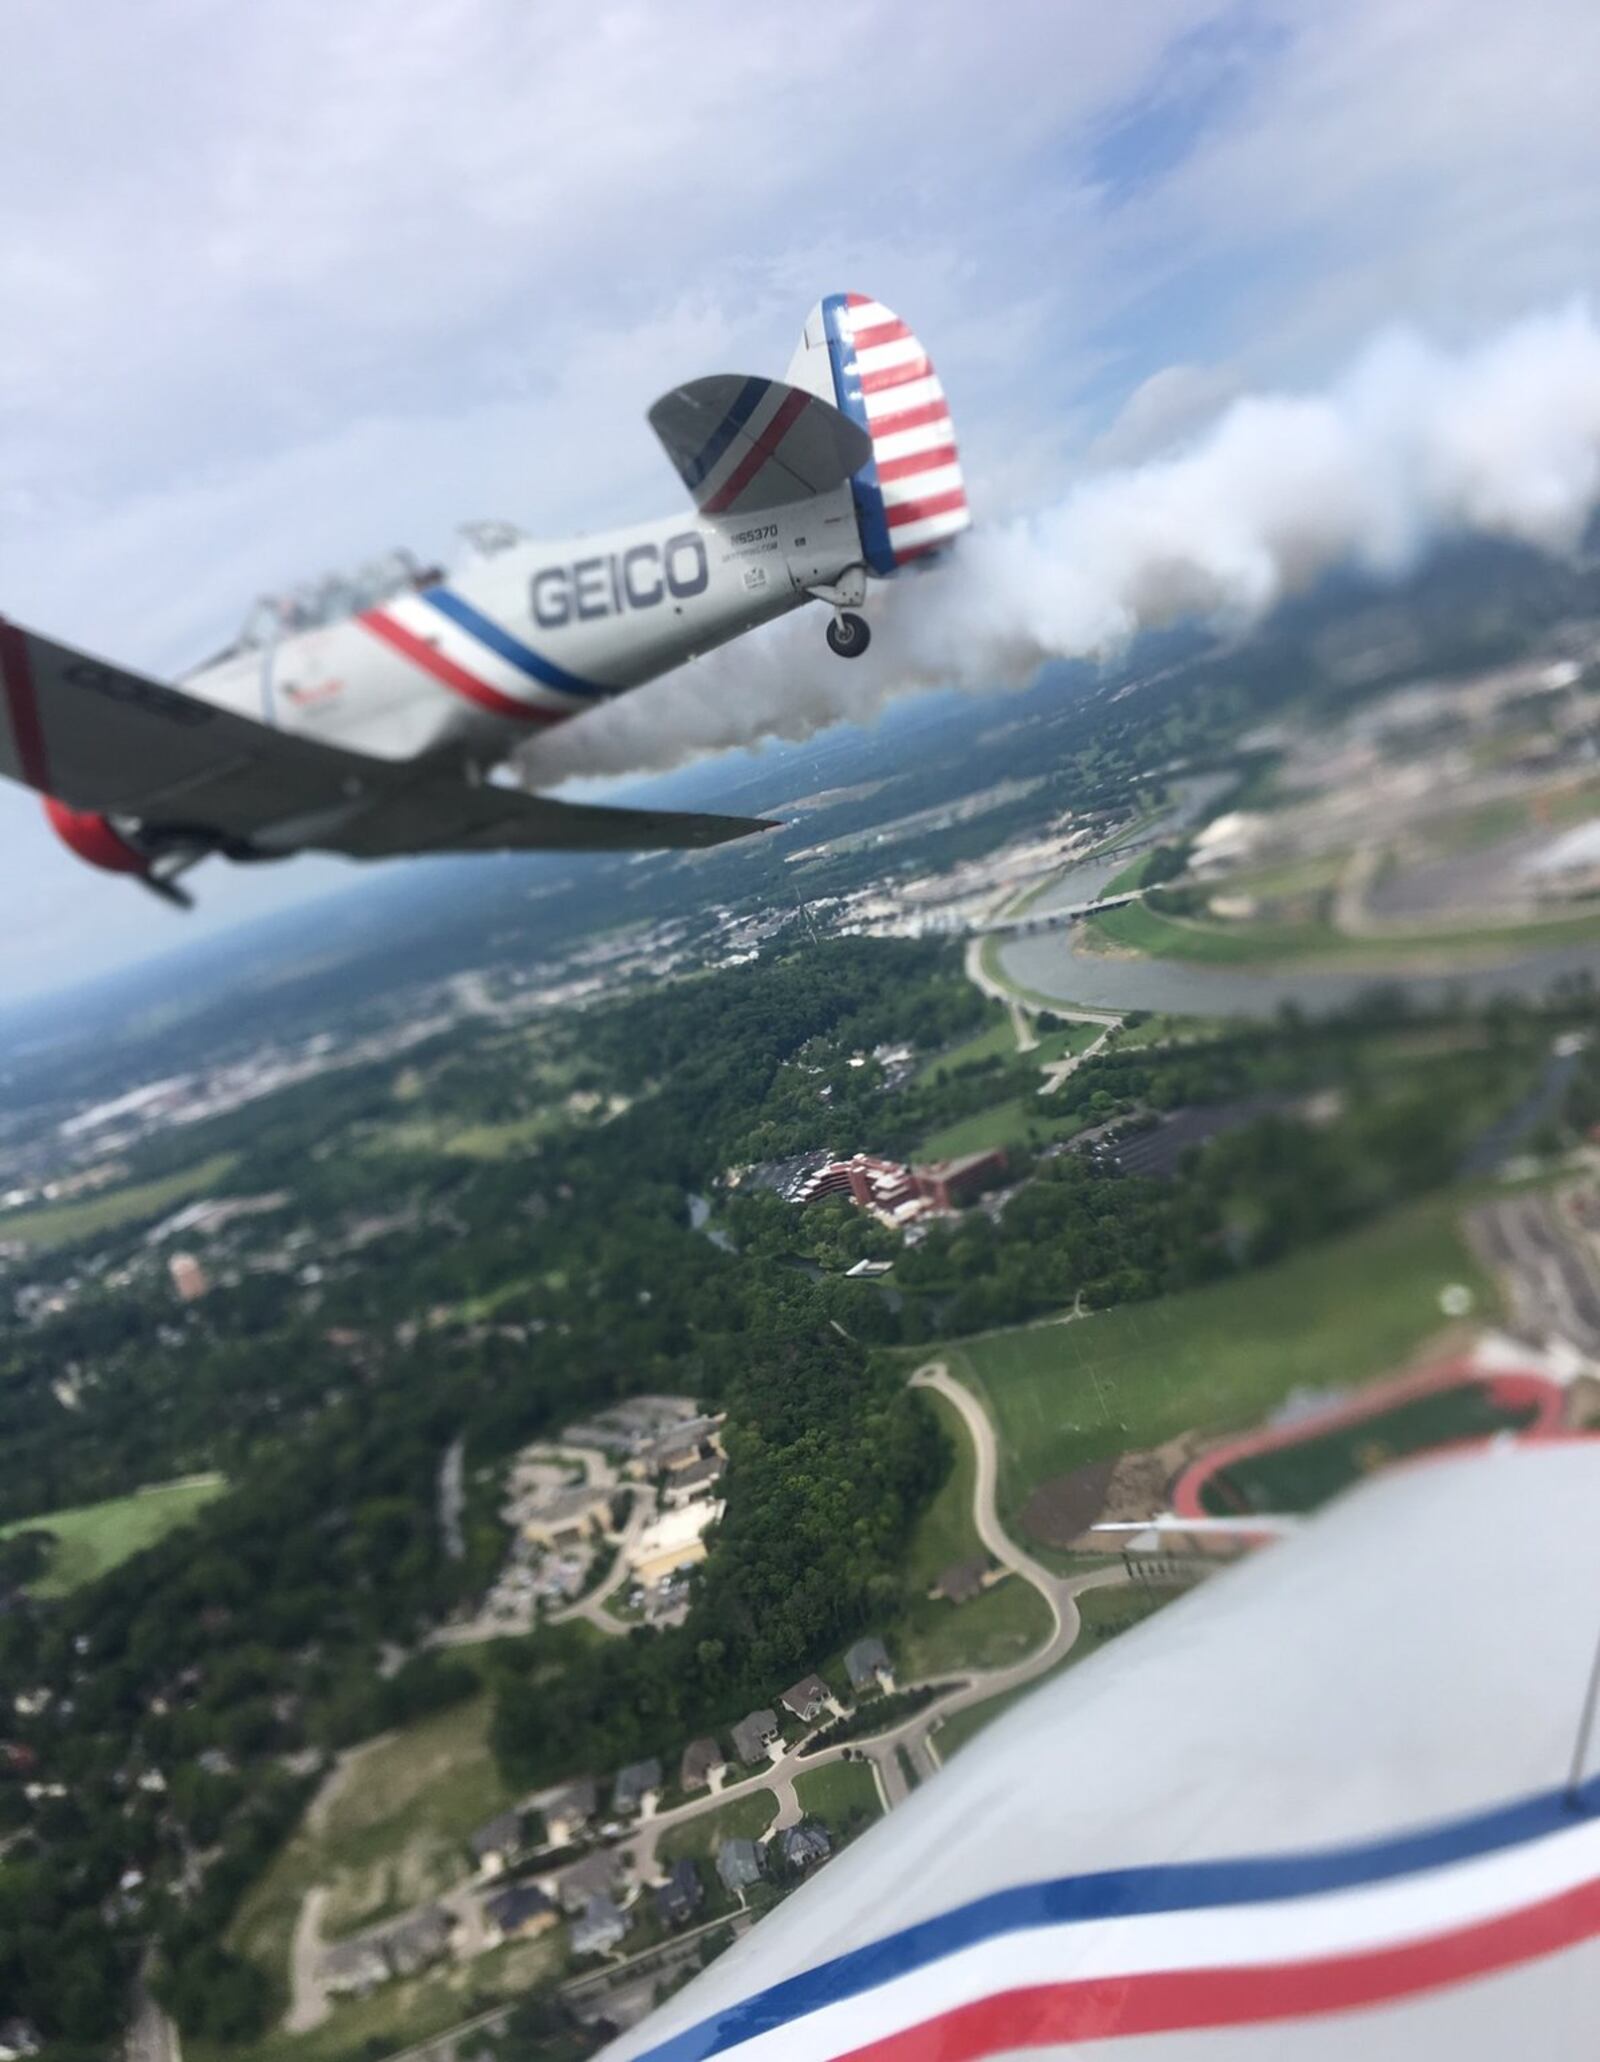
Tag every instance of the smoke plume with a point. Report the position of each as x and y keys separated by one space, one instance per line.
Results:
x=1411 y=446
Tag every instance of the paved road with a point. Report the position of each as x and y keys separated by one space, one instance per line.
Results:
x=592 y=1606
x=151 y=2035
x=1553 y=1290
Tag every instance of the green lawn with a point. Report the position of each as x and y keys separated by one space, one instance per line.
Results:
x=95 y=1537
x=1341 y=1312
x=996 y=1038
x=991 y=1631
x=1308 y=1473
x=742 y=1818
x=1105 y=1613
x=945 y=1533
x=842 y=1791
x=59 y=1224
x=394 y=1834
x=1026 y=1121
x=398 y=2015
x=1145 y=930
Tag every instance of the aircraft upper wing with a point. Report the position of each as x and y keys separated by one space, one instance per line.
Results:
x=1339 y=1802
x=102 y=737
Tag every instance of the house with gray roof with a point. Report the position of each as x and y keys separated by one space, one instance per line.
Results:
x=807 y=1699
x=636 y=1782
x=422 y=1938
x=595 y=1876
x=567 y=1813
x=806 y=1843
x=701 y=1761
x=497 y=1843
x=351 y=1968
x=518 y=1913
x=867 y=1663
x=598 y=1928
x=682 y=1895
x=754 y=1734
x=739 y=1864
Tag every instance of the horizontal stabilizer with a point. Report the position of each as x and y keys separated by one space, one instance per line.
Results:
x=449 y=816
x=742 y=445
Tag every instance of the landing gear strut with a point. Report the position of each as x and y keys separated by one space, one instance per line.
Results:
x=848 y=635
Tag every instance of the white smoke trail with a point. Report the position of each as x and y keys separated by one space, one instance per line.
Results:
x=1413 y=445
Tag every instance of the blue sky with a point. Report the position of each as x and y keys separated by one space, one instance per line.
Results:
x=284 y=284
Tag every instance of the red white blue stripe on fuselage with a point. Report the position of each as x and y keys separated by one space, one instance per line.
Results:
x=477 y=658
x=1176 y=1948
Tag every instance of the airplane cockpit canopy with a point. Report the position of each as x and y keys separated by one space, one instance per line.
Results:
x=332 y=598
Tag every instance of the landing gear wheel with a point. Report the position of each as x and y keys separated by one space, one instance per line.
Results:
x=848 y=635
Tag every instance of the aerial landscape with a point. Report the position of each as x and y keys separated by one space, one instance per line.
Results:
x=712 y=1342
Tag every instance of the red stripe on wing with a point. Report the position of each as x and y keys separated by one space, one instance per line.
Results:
x=450 y=675
x=793 y=407
x=22 y=705
x=1184 y=2000
x=894 y=332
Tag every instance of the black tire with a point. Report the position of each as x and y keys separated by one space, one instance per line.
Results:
x=848 y=635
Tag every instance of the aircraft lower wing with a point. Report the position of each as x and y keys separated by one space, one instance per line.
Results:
x=445 y=815
x=1339 y=1802
x=101 y=737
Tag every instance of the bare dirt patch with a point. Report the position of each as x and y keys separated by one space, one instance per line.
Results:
x=1134 y=1485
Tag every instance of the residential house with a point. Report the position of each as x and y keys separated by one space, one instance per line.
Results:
x=806 y=1843
x=634 y=1784
x=520 y=1913
x=963 y=1580
x=350 y=1968
x=754 y=1734
x=595 y=1876
x=568 y=1815
x=697 y=1480
x=598 y=1928
x=497 y=1843
x=807 y=1699
x=867 y=1664
x=569 y=1516
x=682 y=1895
x=701 y=1761
x=738 y=1864
x=422 y=1938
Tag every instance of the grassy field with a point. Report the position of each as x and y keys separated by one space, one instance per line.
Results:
x=945 y=1532
x=743 y=1818
x=393 y=1833
x=1105 y=1613
x=1002 y=1625
x=997 y=1038
x=934 y=1637
x=835 y=1794
x=60 y=1224
x=95 y=1537
x=1308 y=1473
x=1145 y=930
x=398 y=2015
x=1341 y=1312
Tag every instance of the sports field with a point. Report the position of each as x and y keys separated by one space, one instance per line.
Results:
x=1307 y=1473
x=1342 y=1312
x=95 y=1537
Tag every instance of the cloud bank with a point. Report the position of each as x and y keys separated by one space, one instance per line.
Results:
x=1412 y=445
